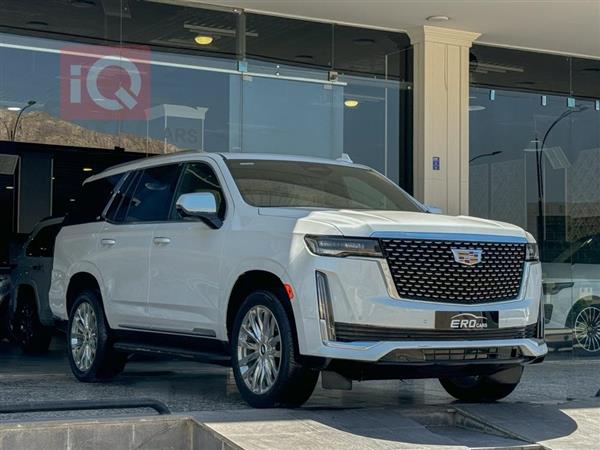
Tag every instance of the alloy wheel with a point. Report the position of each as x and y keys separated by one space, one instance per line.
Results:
x=259 y=349
x=84 y=336
x=587 y=329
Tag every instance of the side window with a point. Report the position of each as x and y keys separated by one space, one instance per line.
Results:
x=92 y=200
x=153 y=195
x=588 y=252
x=42 y=245
x=199 y=177
x=118 y=208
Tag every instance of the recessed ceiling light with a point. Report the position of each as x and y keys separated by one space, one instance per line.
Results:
x=364 y=41
x=438 y=19
x=305 y=58
x=83 y=3
x=14 y=108
x=351 y=103
x=10 y=188
x=71 y=199
x=37 y=23
x=203 y=40
x=87 y=169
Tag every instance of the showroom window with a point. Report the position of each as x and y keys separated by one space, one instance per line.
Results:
x=534 y=161
x=220 y=80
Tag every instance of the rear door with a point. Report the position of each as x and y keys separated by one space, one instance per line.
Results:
x=125 y=241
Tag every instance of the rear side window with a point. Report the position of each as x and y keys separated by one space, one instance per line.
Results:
x=153 y=196
x=92 y=200
x=42 y=245
x=117 y=210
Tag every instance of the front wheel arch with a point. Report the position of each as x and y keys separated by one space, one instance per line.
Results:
x=251 y=281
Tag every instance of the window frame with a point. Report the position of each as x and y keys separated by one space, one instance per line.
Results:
x=172 y=211
x=34 y=240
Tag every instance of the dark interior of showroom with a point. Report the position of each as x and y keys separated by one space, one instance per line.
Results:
x=281 y=85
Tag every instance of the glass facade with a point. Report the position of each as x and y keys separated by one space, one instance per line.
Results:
x=220 y=80
x=534 y=161
x=213 y=79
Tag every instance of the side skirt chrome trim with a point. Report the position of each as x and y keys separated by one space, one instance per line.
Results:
x=196 y=332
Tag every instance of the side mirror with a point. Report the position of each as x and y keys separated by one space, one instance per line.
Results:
x=433 y=209
x=201 y=206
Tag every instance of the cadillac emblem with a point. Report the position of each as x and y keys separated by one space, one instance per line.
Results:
x=467 y=256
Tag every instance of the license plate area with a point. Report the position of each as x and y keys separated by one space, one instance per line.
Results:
x=478 y=320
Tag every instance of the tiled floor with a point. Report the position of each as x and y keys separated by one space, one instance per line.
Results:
x=189 y=386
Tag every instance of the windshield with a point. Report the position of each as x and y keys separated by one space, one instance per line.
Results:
x=289 y=184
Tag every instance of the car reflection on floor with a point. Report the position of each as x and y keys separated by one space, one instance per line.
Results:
x=191 y=386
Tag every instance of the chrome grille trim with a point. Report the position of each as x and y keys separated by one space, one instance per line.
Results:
x=425 y=269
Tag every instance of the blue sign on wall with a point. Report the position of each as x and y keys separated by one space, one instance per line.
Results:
x=435 y=163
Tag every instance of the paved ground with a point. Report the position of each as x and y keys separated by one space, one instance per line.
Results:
x=395 y=410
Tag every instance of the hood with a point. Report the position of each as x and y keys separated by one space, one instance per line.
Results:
x=365 y=223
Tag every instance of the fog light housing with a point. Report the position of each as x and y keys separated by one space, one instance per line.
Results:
x=326 y=323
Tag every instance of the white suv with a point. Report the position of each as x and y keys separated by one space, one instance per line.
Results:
x=285 y=267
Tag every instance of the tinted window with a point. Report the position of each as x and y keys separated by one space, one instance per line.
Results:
x=587 y=251
x=117 y=210
x=314 y=185
x=154 y=194
x=42 y=245
x=92 y=200
x=199 y=177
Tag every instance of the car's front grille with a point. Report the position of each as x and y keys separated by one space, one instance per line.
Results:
x=348 y=332
x=427 y=270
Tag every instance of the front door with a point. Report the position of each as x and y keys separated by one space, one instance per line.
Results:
x=185 y=263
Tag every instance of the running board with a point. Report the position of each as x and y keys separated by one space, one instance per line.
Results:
x=209 y=357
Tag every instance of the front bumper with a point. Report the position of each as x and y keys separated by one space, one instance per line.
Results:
x=530 y=349
x=363 y=296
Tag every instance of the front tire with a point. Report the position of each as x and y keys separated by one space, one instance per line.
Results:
x=90 y=351
x=266 y=365
x=27 y=330
x=483 y=388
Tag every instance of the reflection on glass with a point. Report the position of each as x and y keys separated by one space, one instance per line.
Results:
x=535 y=162
x=292 y=117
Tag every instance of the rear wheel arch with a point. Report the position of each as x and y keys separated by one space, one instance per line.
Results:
x=25 y=292
x=78 y=283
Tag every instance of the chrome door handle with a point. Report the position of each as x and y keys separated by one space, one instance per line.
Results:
x=162 y=240
x=108 y=242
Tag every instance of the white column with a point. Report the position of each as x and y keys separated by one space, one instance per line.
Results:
x=441 y=117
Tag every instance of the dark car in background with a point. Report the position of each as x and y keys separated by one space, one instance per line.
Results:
x=31 y=321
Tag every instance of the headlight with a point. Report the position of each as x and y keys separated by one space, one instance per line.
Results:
x=342 y=246
x=532 y=252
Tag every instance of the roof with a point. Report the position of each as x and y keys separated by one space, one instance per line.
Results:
x=185 y=156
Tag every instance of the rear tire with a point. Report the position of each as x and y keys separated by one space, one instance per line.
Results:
x=266 y=365
x=89 y=347
x=27 y=330
x=483 y=388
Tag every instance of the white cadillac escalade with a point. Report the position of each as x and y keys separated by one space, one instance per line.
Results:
x=287 y=267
